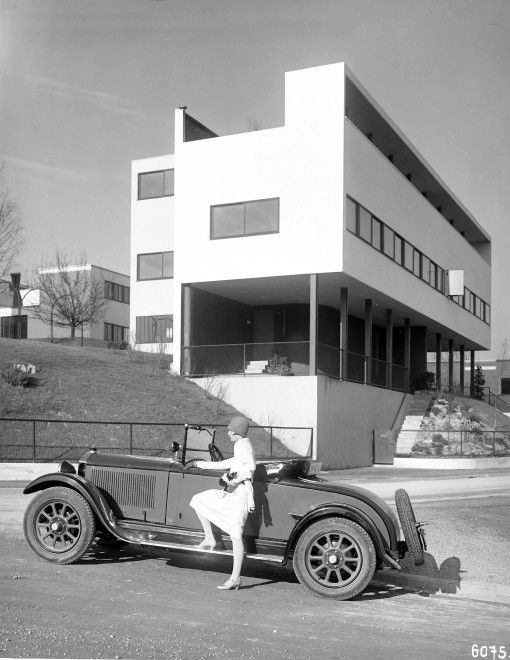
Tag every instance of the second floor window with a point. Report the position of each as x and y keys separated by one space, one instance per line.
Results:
x=155 y=184
x=155 y=266
x=260 y=216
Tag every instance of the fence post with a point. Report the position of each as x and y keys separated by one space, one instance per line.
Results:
x=494 y=444
x=33 y=441
x=131 y=438
x=244 y=359
x=271 y=441
x=461 y=433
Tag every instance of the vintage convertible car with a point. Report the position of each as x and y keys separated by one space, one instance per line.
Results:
x=336 y=535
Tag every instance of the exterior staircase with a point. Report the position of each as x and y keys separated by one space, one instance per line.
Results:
x=256 y=366
x=418 y=408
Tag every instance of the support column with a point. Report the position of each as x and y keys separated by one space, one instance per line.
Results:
x=450 y=365
x=407 y=351
x=472 y=372
x=389 y=348
x=344 y=331
x=438 y=361
x=461 y=368
x=187 y=311
x=368 y=340
x=313 y=325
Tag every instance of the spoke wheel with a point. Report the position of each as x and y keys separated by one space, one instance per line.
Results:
x=335 y=558
x=59 y=525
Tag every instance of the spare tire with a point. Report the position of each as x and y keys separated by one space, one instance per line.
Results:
x=409 y=526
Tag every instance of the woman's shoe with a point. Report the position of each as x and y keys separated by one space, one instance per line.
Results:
x=230 y=584
x=206 y=544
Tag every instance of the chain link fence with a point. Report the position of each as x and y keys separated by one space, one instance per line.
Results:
x=457 y=443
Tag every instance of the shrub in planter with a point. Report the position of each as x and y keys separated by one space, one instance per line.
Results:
x=279 y=366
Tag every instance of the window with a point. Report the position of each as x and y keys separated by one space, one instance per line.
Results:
x=118 y=292
x=154 y=329
x=115 y=333
x=155 y=266
x=433 y=275
x=399 y=247
x=351 y=215
x=9 y=327
x=376 y=234
x=155 y=184
x=417 y=262
x=425 y=269
x=408 y=256
x=388 y=241
x=245 y=218
x=365 y=225
x=440 y=279
x=505 y=386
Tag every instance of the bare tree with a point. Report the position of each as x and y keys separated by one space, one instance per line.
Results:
x=10 y=235
x=70 y=296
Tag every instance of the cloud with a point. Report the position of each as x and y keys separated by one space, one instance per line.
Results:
x=102 y=100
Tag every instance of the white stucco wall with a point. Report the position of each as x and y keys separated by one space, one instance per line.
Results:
x=272 y=401
x=152 y=230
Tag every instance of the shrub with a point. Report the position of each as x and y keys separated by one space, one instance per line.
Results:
x=16 y=377
x=279 y=365
x=423 y=381
x=439 y=443
x=118 y=345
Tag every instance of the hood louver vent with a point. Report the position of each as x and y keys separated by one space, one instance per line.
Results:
x=127 y=489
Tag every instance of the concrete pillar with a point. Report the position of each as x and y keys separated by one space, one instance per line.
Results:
x=368 y=340
x=472 y=372
x=187 y=323
x=313 y=325
x=438 y=361
x=389 y=348
x=450 y=365
x=344 y=330
x=407 y=350
x=461 y=368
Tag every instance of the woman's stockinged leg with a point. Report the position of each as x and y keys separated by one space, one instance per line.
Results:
x=238 y=556
x=206 y=525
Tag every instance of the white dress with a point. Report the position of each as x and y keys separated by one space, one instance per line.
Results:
x=229 y=511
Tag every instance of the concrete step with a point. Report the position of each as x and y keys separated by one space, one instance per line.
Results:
x=256 y=367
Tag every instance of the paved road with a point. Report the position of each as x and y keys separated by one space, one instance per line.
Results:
x=156 y=604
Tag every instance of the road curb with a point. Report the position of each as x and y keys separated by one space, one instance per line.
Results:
x=445 y=587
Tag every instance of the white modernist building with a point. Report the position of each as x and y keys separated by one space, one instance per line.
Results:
x=113 y=325
x=326 y=249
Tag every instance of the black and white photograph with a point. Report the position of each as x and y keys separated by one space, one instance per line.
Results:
x=255 y=329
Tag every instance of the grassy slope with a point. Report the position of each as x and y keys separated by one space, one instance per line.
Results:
x=101 y=384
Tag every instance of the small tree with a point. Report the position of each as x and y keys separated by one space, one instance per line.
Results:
x=478 y=382
x=10 y=236
x=70 y=296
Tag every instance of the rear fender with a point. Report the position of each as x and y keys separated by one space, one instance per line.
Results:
x=91 y=493
x=340 y=511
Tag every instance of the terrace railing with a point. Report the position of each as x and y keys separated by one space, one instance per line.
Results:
x=289 y=358
x=445 y=443
x=47 y=440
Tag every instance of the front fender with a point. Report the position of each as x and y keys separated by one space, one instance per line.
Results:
x=342 y=511
x=88 y=491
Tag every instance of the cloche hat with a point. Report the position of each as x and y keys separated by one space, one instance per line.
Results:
x=239 y=425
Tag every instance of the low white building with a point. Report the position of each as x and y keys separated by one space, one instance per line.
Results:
x=326 y=249
x=113 y=325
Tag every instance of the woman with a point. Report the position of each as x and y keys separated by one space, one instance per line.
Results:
x=229 y=508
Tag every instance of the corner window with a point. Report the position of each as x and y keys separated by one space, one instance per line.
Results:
x=350 y=215
x=155 y=184
x=154 y=329
x=260 y=216
x=155 y=266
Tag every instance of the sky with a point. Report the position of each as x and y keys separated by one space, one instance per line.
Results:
x=86 y=86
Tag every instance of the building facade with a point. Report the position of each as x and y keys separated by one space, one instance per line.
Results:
x=112 y=326
x=326 y=249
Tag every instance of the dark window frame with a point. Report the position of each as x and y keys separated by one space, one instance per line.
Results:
x=152 y=279
x=244 y=203
x=140 y=174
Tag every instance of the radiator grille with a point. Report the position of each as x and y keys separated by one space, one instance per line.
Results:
x=126 y=488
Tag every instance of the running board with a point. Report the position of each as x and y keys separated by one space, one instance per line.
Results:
x=223 y=552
